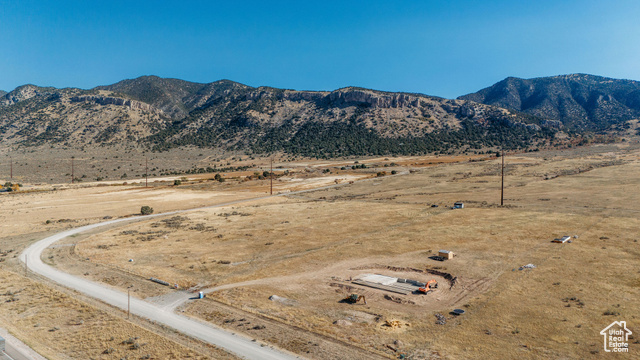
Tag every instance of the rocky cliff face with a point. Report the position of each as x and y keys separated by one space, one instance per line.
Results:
x=106 y=100
x=373 y=99
x=342 y=97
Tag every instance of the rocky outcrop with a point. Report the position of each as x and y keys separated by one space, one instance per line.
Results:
x=348 y=96
x=21 y=93
x=552 y=124
x=341 y=97
x=375 y=100
x=107 y=100
x=304 y=95
x=471 y=110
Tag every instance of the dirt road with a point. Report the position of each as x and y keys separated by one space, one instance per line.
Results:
x=16 y=349
x=236 y=344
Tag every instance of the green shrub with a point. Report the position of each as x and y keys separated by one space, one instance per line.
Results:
x=146 y=210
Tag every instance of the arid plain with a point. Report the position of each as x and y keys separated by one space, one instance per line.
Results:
x=305 y=248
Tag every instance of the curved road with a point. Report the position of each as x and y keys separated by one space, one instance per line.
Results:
x=236 y=344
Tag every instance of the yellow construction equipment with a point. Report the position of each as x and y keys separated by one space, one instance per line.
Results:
x=354 y=298
x=429 y=287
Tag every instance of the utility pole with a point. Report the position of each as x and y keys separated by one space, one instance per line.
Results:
x=146 y=172
x=502 y=187
x=72 y=170
x=271 y=173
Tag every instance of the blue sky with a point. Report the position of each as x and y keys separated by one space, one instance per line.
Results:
x=442 y=48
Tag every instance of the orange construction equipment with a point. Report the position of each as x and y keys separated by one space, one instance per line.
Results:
x=429 y=286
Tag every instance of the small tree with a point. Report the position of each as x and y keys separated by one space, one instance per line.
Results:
x=177 y=182
x=146 y=210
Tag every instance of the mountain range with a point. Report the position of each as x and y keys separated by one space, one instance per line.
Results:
x=159 y=114
x=580 y=101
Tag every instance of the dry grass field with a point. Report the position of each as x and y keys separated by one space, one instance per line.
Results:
x=114 y=165
x=305 y=248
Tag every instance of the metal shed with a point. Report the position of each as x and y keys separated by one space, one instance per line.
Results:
x=562 y=240
x=446 y=254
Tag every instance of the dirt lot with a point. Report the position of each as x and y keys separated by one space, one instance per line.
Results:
x=305 y=248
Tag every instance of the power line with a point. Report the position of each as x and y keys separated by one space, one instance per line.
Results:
x=146 y=172
x=502 y=187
